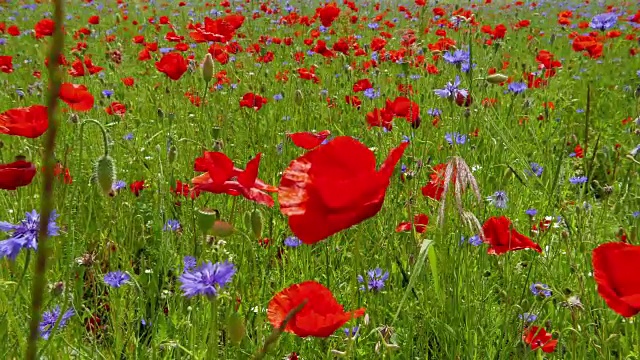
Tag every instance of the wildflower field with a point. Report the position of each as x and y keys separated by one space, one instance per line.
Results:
x=244 y=179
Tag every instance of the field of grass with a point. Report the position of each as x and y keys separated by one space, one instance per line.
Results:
x=301 y=180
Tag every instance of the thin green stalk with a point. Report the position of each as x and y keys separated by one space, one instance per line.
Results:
x=46 y=205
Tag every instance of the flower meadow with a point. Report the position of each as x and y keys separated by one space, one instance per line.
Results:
x=318 y=180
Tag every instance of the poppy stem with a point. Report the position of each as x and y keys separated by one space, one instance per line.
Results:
x=213 y=341
x=278 y=331
x=105 y=135
x=47 y=198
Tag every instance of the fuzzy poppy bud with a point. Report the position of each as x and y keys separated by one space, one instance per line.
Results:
x=496 y=78
x=105 y=173
x=173 y=152
x=256 y=223
x=207 y=68
x=206 y=218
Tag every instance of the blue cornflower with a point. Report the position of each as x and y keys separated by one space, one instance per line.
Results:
x=536 y=169
x=456 y=138
x=322 y=28
x=189 y=263
x=540 y=289
x=278 y=97
x=25 y=234
x=371 y=93
x=49 y=319
x=375 y=279
x=128 y=137
x=603 y=22
x=475 y=240
x=3 y=41
x=107 y=93
x=20 y=93
x=207 y=279
x=450 y=90
x=414 y=77
x=531 y=212
x=171 y=225
x=352 y=332
x=434 y=112
x=635 y=151
x=638 y=73
x=576 y=180
x=499 y=199
x=458 y=57
x=636 y=214
x=165 y=50
x=466 y=66
x=118 y=185
x=292 y=241
x=116 y=278
x=517 y=87
x=528 y=317
x=373 y=26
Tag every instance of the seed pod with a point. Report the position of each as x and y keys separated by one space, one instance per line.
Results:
x=173 y=152
x=256 y=223
x=222 y=229
x=105 y=173
x=207 y=68
x=298 y=98
x=206 y=219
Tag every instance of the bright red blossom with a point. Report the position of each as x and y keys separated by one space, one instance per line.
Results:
x=502 y=237
x=29 y=122
x=539 y=338
x=615 y=267
x=173 y=65
x=320 y=316
x=323 y=191
x=308 y=140
x=76 y=96
x=420 y=222
x=16 y=174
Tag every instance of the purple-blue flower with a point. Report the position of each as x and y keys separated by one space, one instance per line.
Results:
x=25 y=234
x=207 y=279
x=536 y=169
x=455 y=138
x=517 y=87
x=528 y=317
x=540 y=289
x=499 y=199
x=375 y=279
x=172 y=225
x=576 y=180
x=531 y=212
x=457 y=57
x=292 y=241
x=475 y=240
x=604 y=22
x=116 y=278
x=49 y=319
x=189 y=263
x=450 y=90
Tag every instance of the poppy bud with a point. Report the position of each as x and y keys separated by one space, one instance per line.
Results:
x=256 y=223
x=298 y=98
x=206 y=219
x=207 y=68
x=105 y=173
x=160 y=113
x=496 y=78
x=237 y=330
x=173 y=152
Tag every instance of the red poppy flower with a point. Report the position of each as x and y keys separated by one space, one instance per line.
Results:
x=615 y=271
x=321 y=316
x=128 y=81
x=435 y=187
x=502 y=237
x=6 y=64
x=362 y=85
x=94 y=20
x=13 y=30
x=44 y=28
x=76 y=96
x=221 y=177
x=328 y=14
x=539 y=338
x=323 y=191
x=404 y=108
x=136 y=187
x=252 y=100
x=16 y=174
x=308 y=140
x=420 y=221
x=173 y=65
x=30 y=122
x=116 y=108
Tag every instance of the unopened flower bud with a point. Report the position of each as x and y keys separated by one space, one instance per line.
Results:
x=496 y=78
x=105 y=173
x=298 y=98
x=207 y=68
x=256 y=223
x=237 y=330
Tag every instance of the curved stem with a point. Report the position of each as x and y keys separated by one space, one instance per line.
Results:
x=105 y=135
